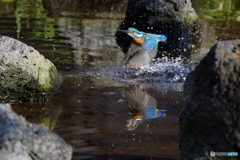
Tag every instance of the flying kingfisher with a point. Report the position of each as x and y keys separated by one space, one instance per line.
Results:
x=142 y=106
x=143 y=49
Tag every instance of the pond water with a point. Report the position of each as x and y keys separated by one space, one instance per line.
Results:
x=97 y=108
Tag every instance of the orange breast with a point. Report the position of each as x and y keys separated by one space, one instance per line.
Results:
x=137 y=41
x=137 y=116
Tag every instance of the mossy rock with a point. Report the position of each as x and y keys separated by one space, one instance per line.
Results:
x=24 y=72
x=157 y=10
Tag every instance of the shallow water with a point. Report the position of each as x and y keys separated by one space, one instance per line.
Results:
x=91 y=111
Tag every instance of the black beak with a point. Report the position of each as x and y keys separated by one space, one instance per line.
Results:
x=124 y=31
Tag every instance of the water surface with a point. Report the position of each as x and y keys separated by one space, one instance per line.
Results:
x=90 y=110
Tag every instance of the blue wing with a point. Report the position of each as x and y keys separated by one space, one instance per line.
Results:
x=149 y=113
x=160 y=37
x=142 y=55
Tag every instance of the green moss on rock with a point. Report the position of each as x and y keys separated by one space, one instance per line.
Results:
x=25 y=72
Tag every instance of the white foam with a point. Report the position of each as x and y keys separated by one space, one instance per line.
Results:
x=172 y=69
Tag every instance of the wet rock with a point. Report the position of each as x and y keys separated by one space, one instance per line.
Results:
x=20 y=139
x=157 y=10
x=210 y=107
x=24 y=72
x=175 y=19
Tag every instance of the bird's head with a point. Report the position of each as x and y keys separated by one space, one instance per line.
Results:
x=132 y=32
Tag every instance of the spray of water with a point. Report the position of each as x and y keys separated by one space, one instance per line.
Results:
x=160 y=70
x=173 y=70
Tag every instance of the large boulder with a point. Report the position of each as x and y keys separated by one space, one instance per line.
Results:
x=210 y=107
x=24 y=72
x=176 y=19
x=21 y=140
x=157 y=10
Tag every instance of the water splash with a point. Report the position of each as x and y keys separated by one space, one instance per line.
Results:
x=167 y=70
x=160 y=70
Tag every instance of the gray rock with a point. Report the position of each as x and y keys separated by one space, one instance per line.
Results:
x=21 y=140
x=175 y=19
x=161 y=9
x=210 y=107
x=24 y=71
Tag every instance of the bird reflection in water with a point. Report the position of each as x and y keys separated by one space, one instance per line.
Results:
x=142 y=106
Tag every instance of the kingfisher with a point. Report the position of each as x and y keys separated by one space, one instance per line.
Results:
x=142 y=106
x=143 y=49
